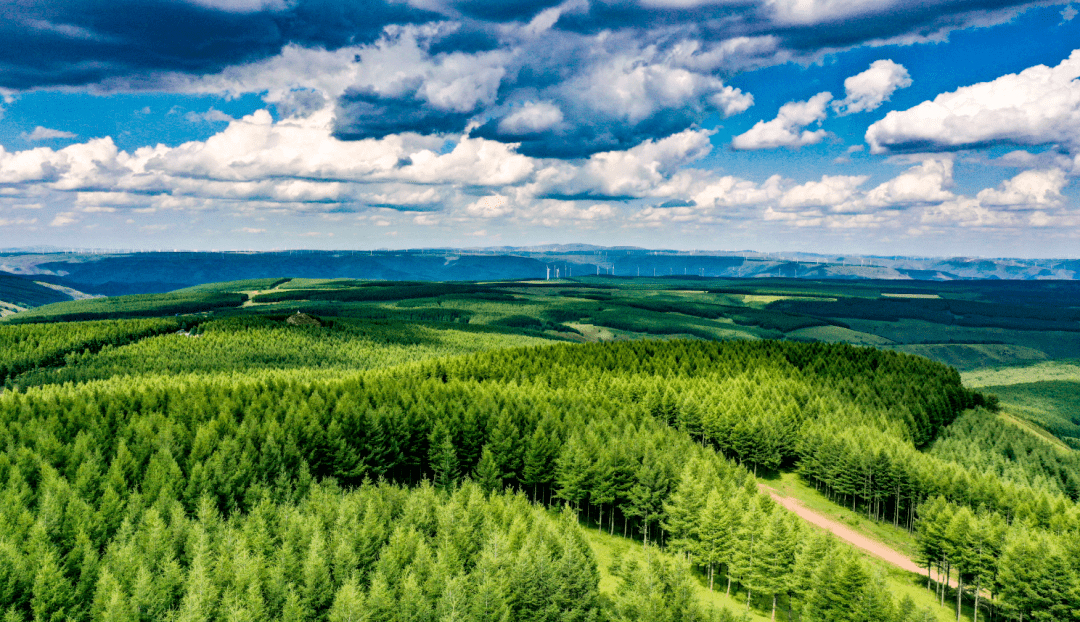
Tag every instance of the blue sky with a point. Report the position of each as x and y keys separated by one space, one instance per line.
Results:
x=944 y=127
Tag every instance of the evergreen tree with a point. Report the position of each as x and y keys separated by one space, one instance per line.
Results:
x=443 y=457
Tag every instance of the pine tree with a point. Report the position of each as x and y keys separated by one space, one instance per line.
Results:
x=772 y=574
x=442 y=457
x=488 y=474
x=716 y=529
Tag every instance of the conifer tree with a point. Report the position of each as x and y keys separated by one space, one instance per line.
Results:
x=443 y=457
x=772 y=574
x=488 y=475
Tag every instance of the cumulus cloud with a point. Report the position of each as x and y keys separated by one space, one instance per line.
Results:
x=44 y=133
x=532 y=118
x=491 y=206
x=832 y=191
x=557 y=79
x=868 y=90
x=1030 y=189
x=1038 y=106
x=786 y=130
x=64 y=219
x=921 y=184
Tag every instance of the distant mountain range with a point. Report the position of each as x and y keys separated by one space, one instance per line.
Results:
x=115 y=273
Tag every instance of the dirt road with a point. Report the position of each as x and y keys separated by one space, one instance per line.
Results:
x=847 y=534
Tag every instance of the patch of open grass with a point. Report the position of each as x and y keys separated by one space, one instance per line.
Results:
x=789 y=484
x=1023 y=374
x=606 y=547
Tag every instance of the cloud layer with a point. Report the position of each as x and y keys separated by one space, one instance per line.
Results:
x=559 y=79
x=1038 y=106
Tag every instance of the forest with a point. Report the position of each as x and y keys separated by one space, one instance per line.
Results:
x=241 y=465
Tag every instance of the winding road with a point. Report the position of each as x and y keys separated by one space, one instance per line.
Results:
x=848 y=534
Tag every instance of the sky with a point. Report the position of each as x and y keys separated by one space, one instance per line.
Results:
x=927 y=128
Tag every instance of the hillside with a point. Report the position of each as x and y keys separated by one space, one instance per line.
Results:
x=118 y=273
x=220 y=462
x=19 y=293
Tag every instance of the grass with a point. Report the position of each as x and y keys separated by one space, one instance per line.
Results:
x=974 y=357
x=1023 y=374
x=900 y=583
x=1026 y=425
x=606 y=547
x=839 y=334
x=789 y=484
x=1053 y=405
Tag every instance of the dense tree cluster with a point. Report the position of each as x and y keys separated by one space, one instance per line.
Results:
x=229 y=494
x=372 y=553
x=1033 y=573
x=27 y=347
x=605 y=428
x=134 y=306
x=986 y=443
x=262 y=342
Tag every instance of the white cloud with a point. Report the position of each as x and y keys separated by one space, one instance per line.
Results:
x=244 y=6
x=868 y=90
x=1028 y=189
x=210 y=116
x=831 y=191
x=531 y=118
x=44 y=133
x=1040 y=105
x=920 y=184
x=784 y=130
x=64 y=219
x=491 y=206
x=17 y=222
x=635 y=172
x=818 y=11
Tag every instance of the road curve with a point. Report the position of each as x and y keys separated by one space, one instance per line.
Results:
x=848 y=534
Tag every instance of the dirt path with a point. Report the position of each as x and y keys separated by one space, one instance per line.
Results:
x=848 y=534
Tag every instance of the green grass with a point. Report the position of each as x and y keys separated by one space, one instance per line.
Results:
x=1053 y=405
x=1023 y=374
x=789 y=484
x=900 y=582
x=606 y=547
x=838 y=334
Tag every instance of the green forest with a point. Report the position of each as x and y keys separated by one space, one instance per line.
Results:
x=428 y=452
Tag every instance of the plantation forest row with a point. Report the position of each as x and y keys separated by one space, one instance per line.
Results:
x=245 y=468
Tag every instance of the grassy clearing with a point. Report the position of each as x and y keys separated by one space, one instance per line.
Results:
x=1023 y=374
x=974 y=356
x=1053 y=405
x=789 y=484
x=607 y=547
x=839 y=334
x=1026 y=425
x=900 y=583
